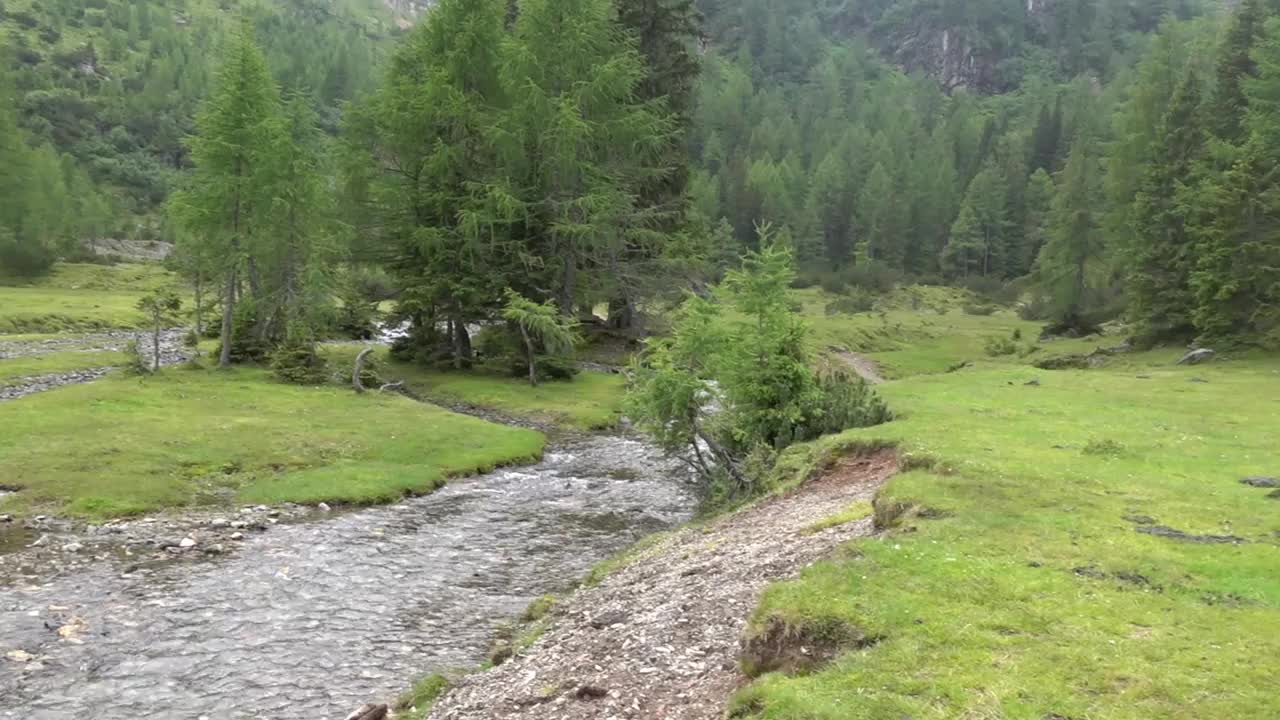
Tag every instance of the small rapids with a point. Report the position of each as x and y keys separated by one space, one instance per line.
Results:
x=309 y=620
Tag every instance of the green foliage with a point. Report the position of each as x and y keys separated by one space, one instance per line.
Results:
x=733 y=382
x=547 y=336
x=296 y=361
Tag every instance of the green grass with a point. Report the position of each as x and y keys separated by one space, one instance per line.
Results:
x=57 y=362
x=856 y=511
x=123 y=446
x=590 y=401
x=415 y=704
x=1025 y=593
x=79 y=298
x=925 y=330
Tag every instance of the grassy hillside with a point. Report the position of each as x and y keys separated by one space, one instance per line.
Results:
x=1077 y=547
x=80 y=297
x=115 y=84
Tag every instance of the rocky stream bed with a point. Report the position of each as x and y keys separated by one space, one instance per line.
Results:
x=301 y=613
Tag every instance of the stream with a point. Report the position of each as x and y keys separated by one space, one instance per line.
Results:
x=313 y=618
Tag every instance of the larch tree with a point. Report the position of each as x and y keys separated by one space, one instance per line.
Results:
x=227 y=194
x=578 y=143
x=431 y=146
x=1063 y=266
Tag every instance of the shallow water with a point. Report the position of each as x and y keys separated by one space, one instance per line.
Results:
x=312 y=619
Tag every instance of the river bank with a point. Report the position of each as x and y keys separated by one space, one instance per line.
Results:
x=316 y=616
x=663 y=635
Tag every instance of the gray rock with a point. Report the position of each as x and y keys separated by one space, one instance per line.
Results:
x=237 y=536
x=187 y=542
x=1195 y=357
x=73 y=547
x=218 y=522
x=323 y=507
x=1262 y=482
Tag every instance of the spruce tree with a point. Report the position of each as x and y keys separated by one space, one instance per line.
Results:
x=1235 y=281
x=1162 y=257
x=1063 y=266
x=1038 y=202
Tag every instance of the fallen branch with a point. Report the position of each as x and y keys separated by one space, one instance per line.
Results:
x=359 y=370
x=398 y=386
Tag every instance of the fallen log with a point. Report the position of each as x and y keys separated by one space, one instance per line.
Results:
x=359 y=370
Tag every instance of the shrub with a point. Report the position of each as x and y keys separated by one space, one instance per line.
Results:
x=873 y=277
x=246 y=345
x=832 y=283
x=981 y=309
x=136 y=363
x=297 y=362
x=844 y=401
x=356 y=317
x=858 y=301
x=1000 y=346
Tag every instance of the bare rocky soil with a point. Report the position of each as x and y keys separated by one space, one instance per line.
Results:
x=171 y=352
x=660 y=638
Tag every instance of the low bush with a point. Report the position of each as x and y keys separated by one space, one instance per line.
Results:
x=1000 y=346
x=980 y=309
x=297 y=362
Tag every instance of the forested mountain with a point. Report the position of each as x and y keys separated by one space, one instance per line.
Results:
x=109 y=88
x=984 y=143
x=1080 y=156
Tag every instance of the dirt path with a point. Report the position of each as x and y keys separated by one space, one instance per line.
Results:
x=865 y=367
x=660 y=638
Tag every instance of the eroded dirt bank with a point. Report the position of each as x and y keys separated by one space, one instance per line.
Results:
x=660 y=638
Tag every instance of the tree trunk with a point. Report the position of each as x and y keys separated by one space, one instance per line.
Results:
x=228 y=308
x=199 y=307
x=461 y=344
x=622 y=313
x=530 y=356
x=356 y=382
x=568 y=278
x=155 y=346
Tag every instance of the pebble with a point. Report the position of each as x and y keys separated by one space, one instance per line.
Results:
x=237 y=536
x=74 y=547
x=324 y=507
x=187 y=543
x=218 y=522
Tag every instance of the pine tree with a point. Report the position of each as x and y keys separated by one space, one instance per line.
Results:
x=227 y=195
x=1235 y=66
x=580 y=144
x=830 y=191
x=431 y=146
x=1038 y=200
x=1236 y=280
x=1063 y=267
x=1163 y=255
x=983 y=225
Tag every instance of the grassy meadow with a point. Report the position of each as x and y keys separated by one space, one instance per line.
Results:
x=1017 y=578
x=79 y=297
x=188 y=437
x=590 y=401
